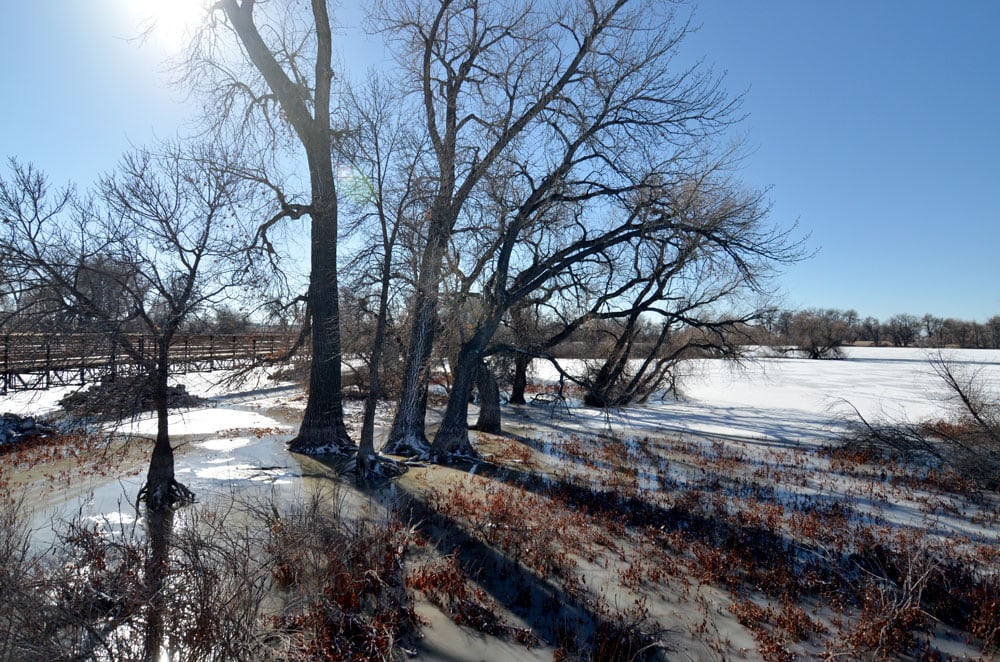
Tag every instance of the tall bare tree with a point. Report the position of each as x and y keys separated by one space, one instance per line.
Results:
x=380 y=157
x=683 y=253
x=569 y=102
x=272 y=85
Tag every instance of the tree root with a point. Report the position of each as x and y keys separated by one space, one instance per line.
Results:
x=309 y=444
x=411 y=445
x=467 y=455
x=368 y=468
x=169 y=494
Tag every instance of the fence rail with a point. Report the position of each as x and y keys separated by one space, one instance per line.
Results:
x=39 y=361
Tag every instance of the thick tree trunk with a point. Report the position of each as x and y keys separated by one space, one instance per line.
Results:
x=520 y=382
x=322 y=430
x=489 y=400
x=452 y=439
x=408 y=435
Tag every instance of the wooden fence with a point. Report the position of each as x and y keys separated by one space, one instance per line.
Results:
x=39 y=361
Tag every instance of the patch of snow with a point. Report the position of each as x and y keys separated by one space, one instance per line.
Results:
x=224 y=444
x=204 y=422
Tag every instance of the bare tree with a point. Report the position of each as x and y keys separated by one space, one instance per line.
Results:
x=567 y=104
x=380 y=157
x=163 y=230
x=932 y=328
x=272 y=85
x=819 y=333
x=903 y=329
x=871 y=330
x=701 y=281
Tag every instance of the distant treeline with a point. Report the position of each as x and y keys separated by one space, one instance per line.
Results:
x=819 y=329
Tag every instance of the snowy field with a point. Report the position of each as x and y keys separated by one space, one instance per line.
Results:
x=791 y=400
x=780 y=399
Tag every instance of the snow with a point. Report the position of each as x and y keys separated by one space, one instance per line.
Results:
x=789 y=401
x=35 y=403
x=205 y=421
x=774 y=400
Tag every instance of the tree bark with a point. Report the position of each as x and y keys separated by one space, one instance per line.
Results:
x=489 y=400
x=162 y=491
x=368 y=464
x=322 y=429
x=408 y=435
x=520 y=383
x=452 y=439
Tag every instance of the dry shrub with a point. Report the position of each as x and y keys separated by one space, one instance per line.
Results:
x=20 y=605
x=345 y=595
x=969 y=444
x=618 y=635
x=121 y=397
x=87 y=597
x=445 y=584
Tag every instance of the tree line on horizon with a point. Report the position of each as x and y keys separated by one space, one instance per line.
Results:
x=820 y=332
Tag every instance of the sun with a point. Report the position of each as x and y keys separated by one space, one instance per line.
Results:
x=168 y=23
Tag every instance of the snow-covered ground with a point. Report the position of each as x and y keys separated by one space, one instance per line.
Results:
x=781 y=399
x=789 y=400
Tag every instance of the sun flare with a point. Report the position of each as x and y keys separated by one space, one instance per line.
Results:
x=168 y=23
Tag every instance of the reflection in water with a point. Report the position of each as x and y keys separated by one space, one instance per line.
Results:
x=159 y=526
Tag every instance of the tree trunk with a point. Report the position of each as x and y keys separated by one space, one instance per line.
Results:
x=161 y=490
x=322 y=430
x=368 y=463
x=408 y=435
x=452 y=439
x=489 y=400
x=521 y=362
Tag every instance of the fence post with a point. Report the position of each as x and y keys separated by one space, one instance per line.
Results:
x=114 y=357
x=82 y=352
x=6 y=364
x=48 y=363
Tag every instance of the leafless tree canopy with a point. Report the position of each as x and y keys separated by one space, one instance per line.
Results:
x=160 y=240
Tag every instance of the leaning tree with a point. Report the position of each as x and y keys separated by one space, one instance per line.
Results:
x=564 y=104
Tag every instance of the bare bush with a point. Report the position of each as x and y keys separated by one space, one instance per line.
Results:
x=819 y=333
x=968 y=444
x=249 y=582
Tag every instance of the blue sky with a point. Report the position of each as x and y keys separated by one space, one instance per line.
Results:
x=875 y=125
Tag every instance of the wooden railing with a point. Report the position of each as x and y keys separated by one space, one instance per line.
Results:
x=39 y=361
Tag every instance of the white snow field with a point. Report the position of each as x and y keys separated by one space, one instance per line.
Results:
x=790 y=400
